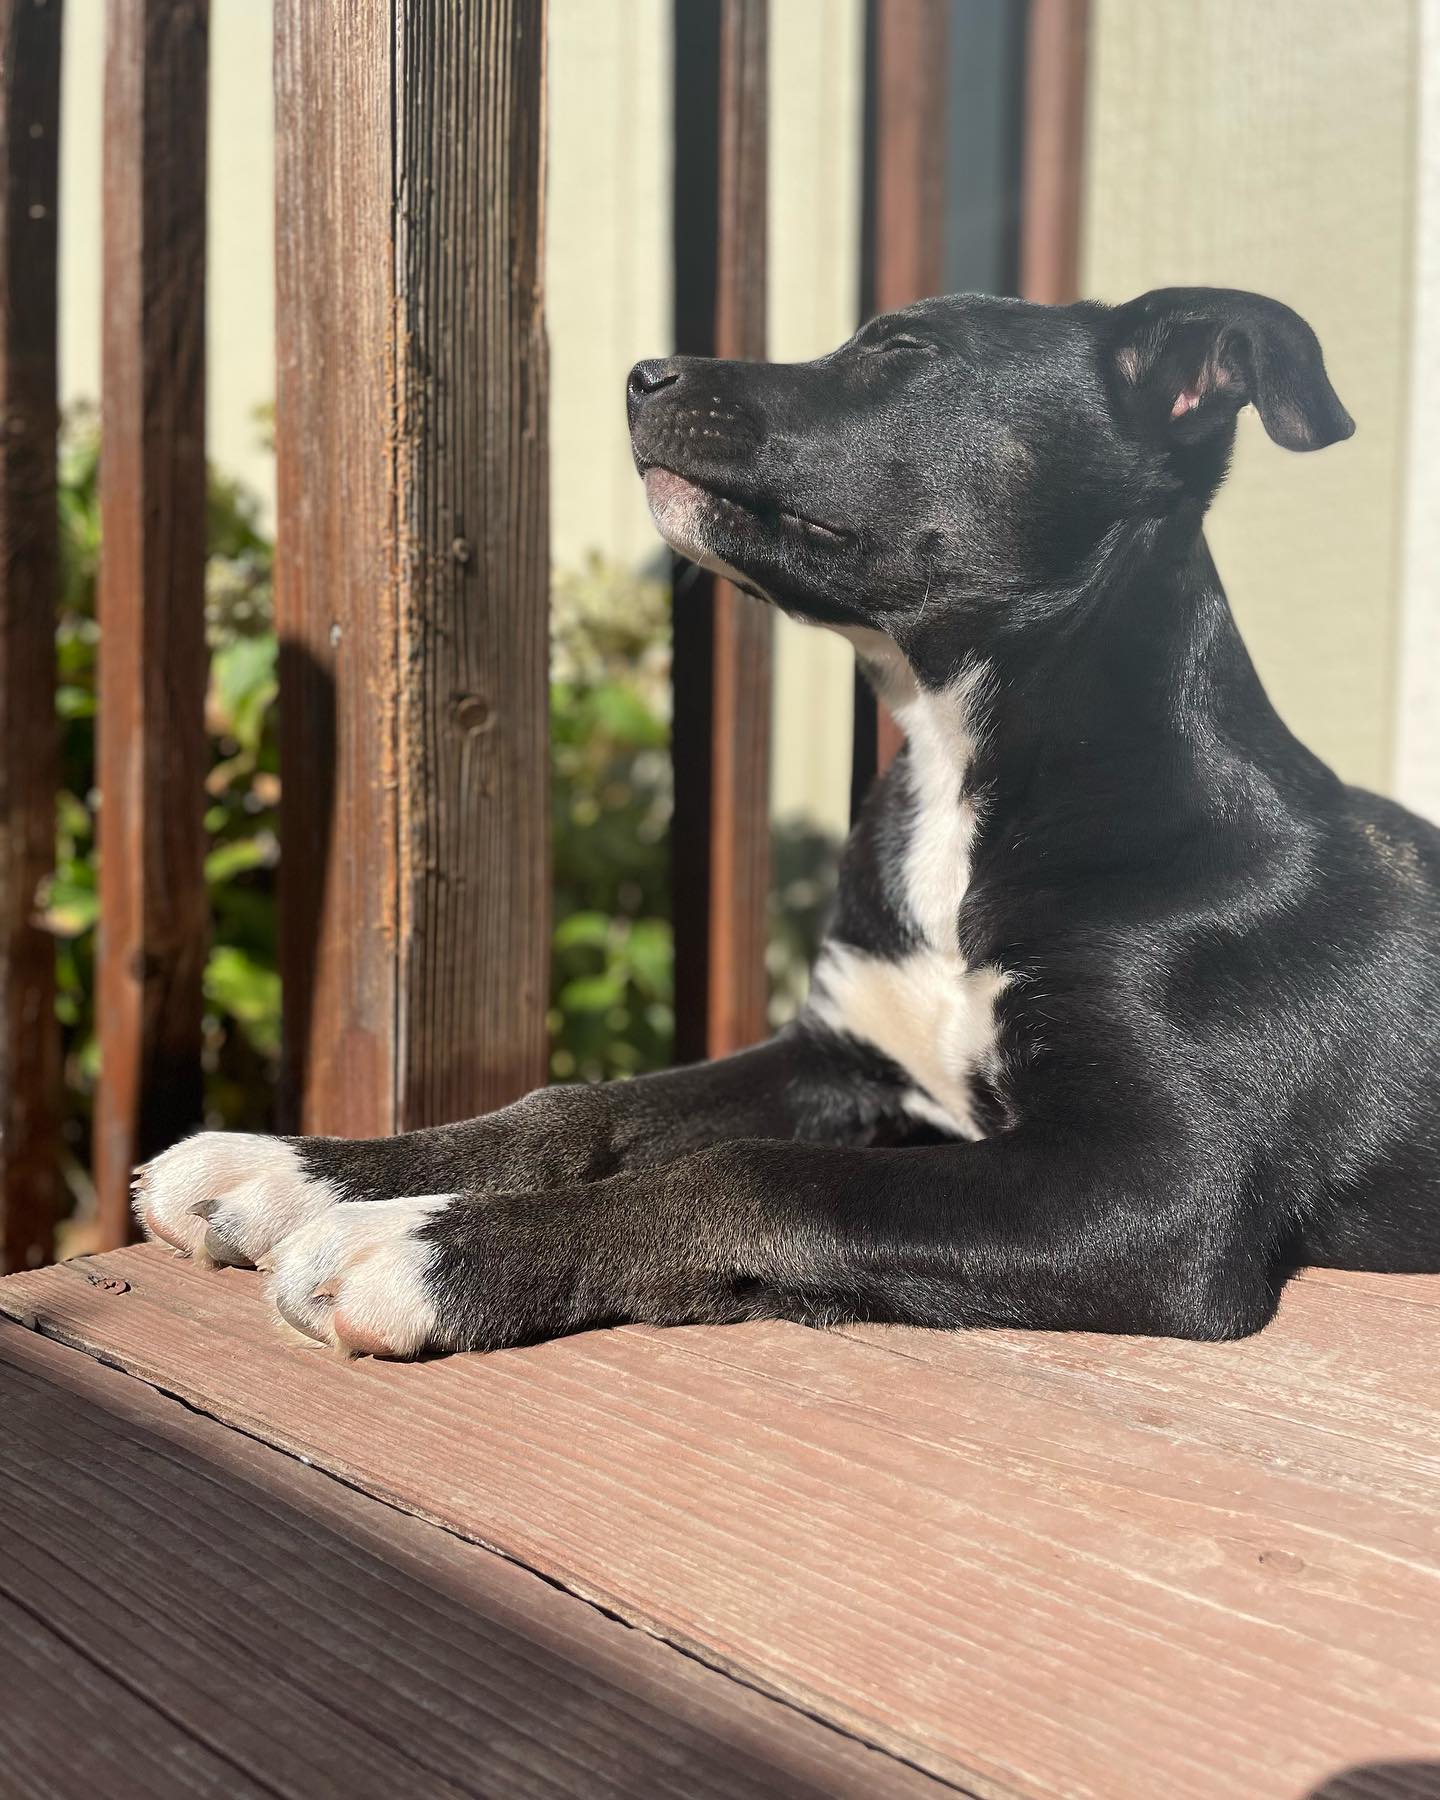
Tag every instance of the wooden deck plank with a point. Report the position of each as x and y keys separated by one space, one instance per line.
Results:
x=1014 y=1608
x=1010 y=1559
x=1016 y=1593
x=68 y=1726
x=180 y=1601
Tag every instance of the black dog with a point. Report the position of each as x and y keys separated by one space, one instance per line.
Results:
x=1129 y=1006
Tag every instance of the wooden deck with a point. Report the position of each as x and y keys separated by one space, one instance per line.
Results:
x=862 y=1563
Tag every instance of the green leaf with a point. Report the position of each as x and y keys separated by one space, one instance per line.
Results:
x=226 y=861
x=237 y=985
x=74 y=702
x=69 y=908
x=650 y=953
x=620 y=711
x=243 y=684
x=584 y=930
x=591 y=993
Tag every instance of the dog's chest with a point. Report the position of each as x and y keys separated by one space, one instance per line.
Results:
x=927 y=1009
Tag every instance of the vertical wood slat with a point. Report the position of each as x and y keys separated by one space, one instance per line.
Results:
x=1054 y=150
x=903 y=235
x=722 y=640
x=29 y=582
x=154 y=912
x=412 y=579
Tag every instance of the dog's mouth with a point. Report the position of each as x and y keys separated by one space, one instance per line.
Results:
x=702 y=522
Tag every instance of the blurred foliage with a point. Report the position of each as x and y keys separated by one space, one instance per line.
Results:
x=611 y=974
x=612 y=980
x=242 y=989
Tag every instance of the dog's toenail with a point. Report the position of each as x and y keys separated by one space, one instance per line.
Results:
x=226 y=1255
x=293 y=1316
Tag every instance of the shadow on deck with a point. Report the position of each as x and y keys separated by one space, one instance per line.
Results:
x=869 y=1562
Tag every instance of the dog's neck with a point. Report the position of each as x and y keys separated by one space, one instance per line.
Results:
x=1137 y=665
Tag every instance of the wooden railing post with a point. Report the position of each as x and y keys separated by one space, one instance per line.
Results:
x=411 y=581
x=154 y=912
x=902 y=233
x=721 y=733
x=29 y=583
x=1054 y=149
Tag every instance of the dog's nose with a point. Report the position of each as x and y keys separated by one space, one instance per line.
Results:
x=647 y=378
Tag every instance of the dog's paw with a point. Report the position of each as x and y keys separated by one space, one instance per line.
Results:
x=359 y=1278
x=228 y=1197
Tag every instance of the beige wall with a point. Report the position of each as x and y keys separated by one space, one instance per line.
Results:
x=608 y=262
x=817 y=91
x=609 y=300
x=240 y=296
x=1417 y=758
x=1271 y=146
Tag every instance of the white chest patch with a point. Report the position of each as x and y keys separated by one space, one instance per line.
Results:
x=929 y=1012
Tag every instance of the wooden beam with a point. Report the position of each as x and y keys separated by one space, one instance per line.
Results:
x=412 y=579
x=29 y=582
x=722 y=656
x=154 y=912
x=1054 y=150
x=905 y=175
x=902 y=236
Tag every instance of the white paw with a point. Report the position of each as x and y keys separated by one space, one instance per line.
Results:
x=228 y=1197
x=355 y=1278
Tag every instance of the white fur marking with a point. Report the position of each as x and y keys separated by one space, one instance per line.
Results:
x=940 y=729
x=928 y=1013
x=366 y=1265
x=251 y=1189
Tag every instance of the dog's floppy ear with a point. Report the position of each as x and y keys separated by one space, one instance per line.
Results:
x=1187 y=359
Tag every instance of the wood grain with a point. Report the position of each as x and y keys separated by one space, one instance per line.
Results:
x=151 y=750
x=29 y=582
x=334 y=553
x=1028 y=1564
x=722 y=640
x=907 y=45
x=1053 y=162
x=412 y=580
x=241 y=1623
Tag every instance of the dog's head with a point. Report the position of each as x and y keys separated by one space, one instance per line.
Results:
x=967 y=455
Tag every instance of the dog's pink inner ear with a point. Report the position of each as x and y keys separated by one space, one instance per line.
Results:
x=1185 y=401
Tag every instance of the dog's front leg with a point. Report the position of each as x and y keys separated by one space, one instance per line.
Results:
x=1008 y=1232
x=233 y=1197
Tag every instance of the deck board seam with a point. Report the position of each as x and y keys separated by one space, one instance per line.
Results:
x=148 y=1700
x=58 y=1334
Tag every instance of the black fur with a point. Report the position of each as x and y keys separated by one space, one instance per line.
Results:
x=1218 y=1054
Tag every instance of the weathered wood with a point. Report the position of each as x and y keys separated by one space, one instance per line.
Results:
x=1054 y=150
x=29 y=580
x=722 y=652
x=904 y=259
x=154 y=911
x=411 y=585
x=902 y=235
x=240 y=1623
x=1029 y=1564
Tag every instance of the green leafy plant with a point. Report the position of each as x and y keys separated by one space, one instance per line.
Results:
x=612 y=986
x=242 y=990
